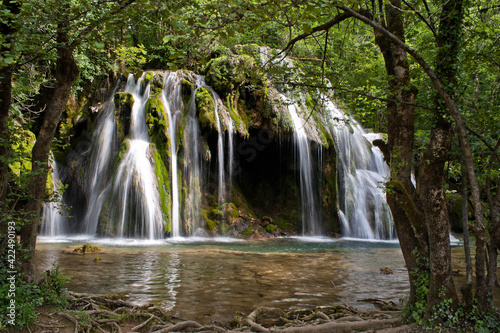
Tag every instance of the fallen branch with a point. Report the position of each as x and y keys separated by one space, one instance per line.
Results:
x=136 y=328
x=180 y=326
x=72 y=319
x=346 y=326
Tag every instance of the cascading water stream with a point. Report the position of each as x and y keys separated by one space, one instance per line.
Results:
x=53 y=221
x=134 y=183
x=192 y=167
x=310 y=218
x=230 y=144
x=102 y=148
x=220 y=151
x=364 y=211
x=171 y=98
x=220 y=142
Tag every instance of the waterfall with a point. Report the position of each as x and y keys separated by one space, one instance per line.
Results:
x=230 y=145
x=220 y=142
x=52 y=220
x=310 y=212
x=172 y=101
x=102 y=152
x=123 y=185
x=364 y=211
x=192 y=166
x=220 y=151
x=134 y=184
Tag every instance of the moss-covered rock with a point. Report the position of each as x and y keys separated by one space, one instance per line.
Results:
x=124 y=147
x=156 y=116
x=123 y=108
x=164 y=188
x=87 y=248
x=242 y=85
x=212 y=218
x=205 y=109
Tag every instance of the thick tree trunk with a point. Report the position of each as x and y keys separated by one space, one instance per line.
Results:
x=5 y=102
x=431 y=173
x=494 y=231
x=466 y=289
x=430 y=187
x=66 y=73
x=408 y=221
x=479 y=228
x=7 y=31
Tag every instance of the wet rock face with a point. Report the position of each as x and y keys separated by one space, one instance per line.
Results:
x=123 y=109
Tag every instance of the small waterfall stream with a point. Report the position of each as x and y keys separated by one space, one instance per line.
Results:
x=134 y=184
x=53 y=220
x=364 y=211
x=171 y=99
x=103 y=143
x=220 y=143
x=192 y=167
x=310 y=218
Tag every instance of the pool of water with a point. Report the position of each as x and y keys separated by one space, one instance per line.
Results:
x=215 y=279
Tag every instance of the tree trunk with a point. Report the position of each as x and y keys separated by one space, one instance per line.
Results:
x=479 y=228
x=430 y=187
x=7 y=31
x=494 y=231
x=66 y=73
x=400 y=123
x=431 y=172
x=467 y=287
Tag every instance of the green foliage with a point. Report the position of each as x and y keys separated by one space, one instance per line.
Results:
x=445 y=315
x=212 y=216
x=131 y=58
x=415 y=312
x=46 y=290
x=463 y=319
x=270 y=228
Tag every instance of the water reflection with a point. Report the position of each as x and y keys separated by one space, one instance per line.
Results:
x=203 y=280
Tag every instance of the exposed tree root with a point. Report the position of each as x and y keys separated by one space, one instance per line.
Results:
x=112 y=314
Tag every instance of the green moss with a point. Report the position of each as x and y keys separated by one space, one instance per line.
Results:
x=205 y=107
x=230 y=210
x=248 y=231
x=270 y=228
x=121 y=153
x=148 y=77
x=163 y=180
x=212 y=217
x=123 y=109
x=87 y=248
x=157 y=120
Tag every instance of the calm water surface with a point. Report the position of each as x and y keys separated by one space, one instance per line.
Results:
x=213 y=279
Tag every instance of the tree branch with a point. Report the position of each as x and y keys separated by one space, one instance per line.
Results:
x=429 y=24
x=326 y=26
x=494 y=150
